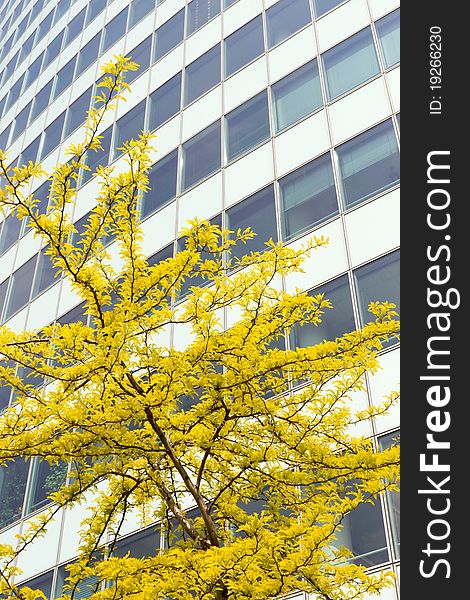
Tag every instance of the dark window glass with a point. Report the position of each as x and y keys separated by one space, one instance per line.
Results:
x=44 y=27
x=139 y=9
x=259 y=213
x=115 y=29
x=161 y=255
x=174 y=533
x=14 y=93
x=140 y=55
x=228 y=3
x=369 y=164
x=30 y=153
x=75 y=27
x=243 y=46
x=286 y=18
x=393 y=496
x=75 y=315
x=247 y=126
x=129 y=126
x=45 y=479
x=200 y=12
x=13 y=479
x=52 y=135
x=5 y=136
x=86 y=587
x=169 y=35
x=335 y=321
x=21 y=121
x=308 y=197
x=33 y=71
x=323 y=6
x=95 y=7
x=10 y=232
x=64 y=77
x=165 y=102
x=77 y=112
x=296 y=96
x=43 y=583
x=41 y=100
x=162 y=183
x=88 y=54
x=388 y=29
x=53 y=49
x=202 y=75
x=378 y=281
x=98 y=158
x=42 y=195
x=4 y=389
x=201 y=155
x=142 y=544
x=45 y=274
x=26 y=48
x=10 y=68
x=62 y=8
x=350 y=63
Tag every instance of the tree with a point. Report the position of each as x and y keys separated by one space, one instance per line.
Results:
x=256 y=437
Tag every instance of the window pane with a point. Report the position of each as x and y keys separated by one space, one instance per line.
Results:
x=88 y=54
x=243 y=46
x=297 y=95
x=64 y=77
x=130 y=126
x=140 y=8
x=378 y=281
x=45 y=274
x=161 y=255
x=259 y=213
x=201 y=155
x=100 y=157
x=169 y=35
x=53 y=50
x=200 y=12
x=202 y=74
x=4 y=389
x=41 y=100
x=43 y=583
x=228 y=3
x=369 y=164
x=62 y=8
x=75 y=27
x=10 y=233
x=162 y=182
x=33 y=71
x=336 y=321
x=4 y=137
x=393 y=497
x=30 y=153
x=388 y=29
x=142 y=544
x=247 y=126
x=75 y=315
x=44 y=27
x=285 y=18
x=21 y=122
x=115 y=29
x=308 y=197
x=77 y=112
x=42 y=195
x=13 y=479
x=14 y=93
x=323 y=6
x=350 y=63
x=84 y=589
x=26 y=48
x=52 y=135
x=140 y=55
x=46 y=479
x=165 y=102
x=95 y=7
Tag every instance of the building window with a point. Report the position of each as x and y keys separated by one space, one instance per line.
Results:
x=53 y=49
x=296 y=96
x=76 y=113
x=200 y=12
x=95 y=159
x=64 y=77
x=21 y=122
x=244 y=45
x=89 y=53
x=259 y=213
x=61 y=9
x=10 y=232
x=165 y=102
x=52 y=135
x=202 y=75
x=41 y=100
x=393 y=496
x=45 y=274
x=85 y=588
x=75 y=27
x=13 y=478
x=95 y=7
x=350 y=63
x=33 y=71
x=335 y=321
x=163 y=254
x=308 y=197
x=140 y=55
x=129 y=127
x=4 y=137
x=141 y=544
x=4 y=389
x=162 y=183
x=169 y=35
x=44 y=27
x=285 y=18
x=115 y=29
x=369 y=164
x=324 y=6
x=20 y=289
x=14 y=93
x=247 y=126
x=388 y=29
x=201 y=156
x=378 y=281
x=44 y=480
x=139 y=9
x=30 y=153
x=43 y=583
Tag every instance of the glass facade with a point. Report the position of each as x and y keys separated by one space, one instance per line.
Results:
x=246 y=135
